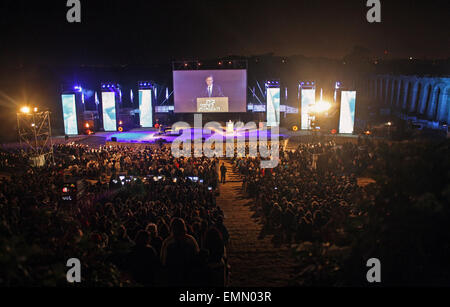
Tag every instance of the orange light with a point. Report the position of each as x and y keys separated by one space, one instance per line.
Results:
x=87 y=125
x=368 y=132
x=295 y=128
x=120 y=129
x=121 y=123
x=334 y=131
x=25 y=110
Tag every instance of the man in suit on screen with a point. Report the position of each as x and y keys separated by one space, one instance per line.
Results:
x=211 y=89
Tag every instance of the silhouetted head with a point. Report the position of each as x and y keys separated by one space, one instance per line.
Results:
x=178 y=227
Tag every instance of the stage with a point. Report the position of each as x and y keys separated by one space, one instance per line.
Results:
x=152 y=136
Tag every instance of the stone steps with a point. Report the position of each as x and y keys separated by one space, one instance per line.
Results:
x=254 y=260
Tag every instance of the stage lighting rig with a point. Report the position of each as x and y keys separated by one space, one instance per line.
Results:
x=34 y=131
x=315 y=111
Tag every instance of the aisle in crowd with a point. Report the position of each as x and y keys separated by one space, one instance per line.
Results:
x=254 y=259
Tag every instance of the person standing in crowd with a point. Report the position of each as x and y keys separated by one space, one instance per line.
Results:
x=223 y=173
x=178 y=254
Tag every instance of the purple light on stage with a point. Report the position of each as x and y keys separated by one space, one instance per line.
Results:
x=96 y=98
x=167 y=93
x=131 y=95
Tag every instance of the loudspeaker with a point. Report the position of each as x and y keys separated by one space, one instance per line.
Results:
x=114 y=139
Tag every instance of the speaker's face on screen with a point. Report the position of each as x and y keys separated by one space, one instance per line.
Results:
x=209 y=81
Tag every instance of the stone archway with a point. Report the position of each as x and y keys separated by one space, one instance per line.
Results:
x=387 y=91
x=426 y=97
x=401 y=89
x=443 y=108
x=415 y=99
x=407 y=95
x=432 y=107
x=380 y=89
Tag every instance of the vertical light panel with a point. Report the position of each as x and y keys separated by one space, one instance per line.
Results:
x=273 y=107
x=145 y=108
x=308 y=98
x=70 y=114
x=347 y=118
x=109 y=111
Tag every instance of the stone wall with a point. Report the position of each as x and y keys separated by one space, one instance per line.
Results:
x=423 y=98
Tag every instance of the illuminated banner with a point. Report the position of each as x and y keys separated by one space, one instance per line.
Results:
x=145 y=108
x=273 y=106
x=308 y=98
x=348 y=104
x=70 y=114
x=109 y=111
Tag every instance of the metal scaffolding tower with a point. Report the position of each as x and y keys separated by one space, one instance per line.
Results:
x=35 y=134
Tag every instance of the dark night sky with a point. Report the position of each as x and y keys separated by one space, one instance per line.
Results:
x=126 y=32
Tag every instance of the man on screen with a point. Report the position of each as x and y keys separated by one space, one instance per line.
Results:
x=211 y=89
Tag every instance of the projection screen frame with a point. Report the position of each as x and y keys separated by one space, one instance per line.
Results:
x=68 y=130
x=306 y=100
x=244 y=103
x=349 y=112
x=145 y=123
x=276 y=111
x=105 y=119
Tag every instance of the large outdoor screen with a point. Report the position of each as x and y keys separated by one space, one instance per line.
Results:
x=70 y=114
x=109 y=111
x=210 y=91
x=273 y=107
x=348 y=105
x=145 y=108
x=308 y=98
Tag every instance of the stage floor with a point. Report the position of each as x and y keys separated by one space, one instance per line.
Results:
x=152 y=136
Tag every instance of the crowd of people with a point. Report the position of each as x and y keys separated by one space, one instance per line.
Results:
x=143 y=217
x=340 y=205
x=141 y=212
x=310 y=193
